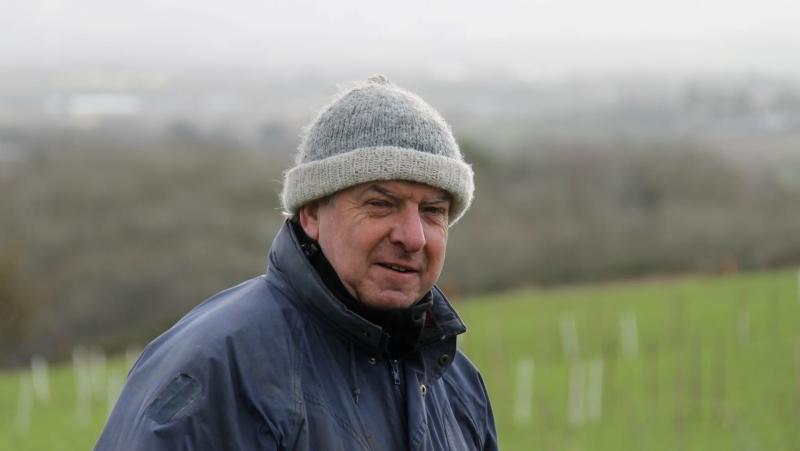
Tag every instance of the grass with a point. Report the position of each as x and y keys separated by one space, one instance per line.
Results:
x=718 y=367
x=60 y=423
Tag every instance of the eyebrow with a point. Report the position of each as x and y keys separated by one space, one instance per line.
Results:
x=438 y=200
x=383 y=191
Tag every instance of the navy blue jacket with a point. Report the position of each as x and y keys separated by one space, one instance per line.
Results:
x=278 y=362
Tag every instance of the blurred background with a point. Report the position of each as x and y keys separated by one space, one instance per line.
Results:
x=628 y=270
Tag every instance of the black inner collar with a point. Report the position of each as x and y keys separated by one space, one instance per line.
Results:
x=403 y=326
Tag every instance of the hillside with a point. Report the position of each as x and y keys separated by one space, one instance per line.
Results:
x=694 y=363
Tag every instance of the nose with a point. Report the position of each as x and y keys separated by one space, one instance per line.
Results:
x=408 y=232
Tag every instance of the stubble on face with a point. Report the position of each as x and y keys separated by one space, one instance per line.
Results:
x=385 y=240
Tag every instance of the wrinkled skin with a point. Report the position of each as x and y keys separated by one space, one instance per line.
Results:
x=386 y=240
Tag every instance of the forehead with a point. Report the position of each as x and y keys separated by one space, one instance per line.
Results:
x=400 y=189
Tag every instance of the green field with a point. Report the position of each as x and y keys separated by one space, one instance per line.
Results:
x=695 y=363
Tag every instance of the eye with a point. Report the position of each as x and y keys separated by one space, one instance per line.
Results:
x=379 y=203
x=437 y=212
x=379 y=207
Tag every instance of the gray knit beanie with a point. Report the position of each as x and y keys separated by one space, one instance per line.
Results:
x=377 y=131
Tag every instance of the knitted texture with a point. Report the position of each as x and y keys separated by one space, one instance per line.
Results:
x=377 y=131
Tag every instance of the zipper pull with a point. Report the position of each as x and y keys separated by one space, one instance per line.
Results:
x=395 y=371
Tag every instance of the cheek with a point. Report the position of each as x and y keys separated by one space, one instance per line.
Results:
x=352 y=251
x=437 y=246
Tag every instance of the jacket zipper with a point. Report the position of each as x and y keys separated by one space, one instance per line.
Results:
x=395 y=372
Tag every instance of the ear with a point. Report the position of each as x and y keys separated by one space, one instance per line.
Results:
x=309 y=219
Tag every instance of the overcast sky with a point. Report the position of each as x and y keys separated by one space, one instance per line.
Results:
x=536 y=38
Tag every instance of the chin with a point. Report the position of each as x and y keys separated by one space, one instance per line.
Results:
x=390 y=300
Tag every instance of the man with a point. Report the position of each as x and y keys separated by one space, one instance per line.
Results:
x=345 y=343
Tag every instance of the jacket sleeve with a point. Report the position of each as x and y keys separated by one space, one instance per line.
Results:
x=490 y=438
x=221 y=378
x=183 y=414
x=471 y=403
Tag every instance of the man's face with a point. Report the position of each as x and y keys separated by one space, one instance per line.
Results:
x=385 y=240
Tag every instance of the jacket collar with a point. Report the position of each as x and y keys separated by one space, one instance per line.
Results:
x=288 y=263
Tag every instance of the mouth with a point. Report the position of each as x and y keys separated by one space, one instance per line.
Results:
x=401 y=269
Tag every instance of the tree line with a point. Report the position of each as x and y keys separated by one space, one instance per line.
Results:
x=111 y=246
